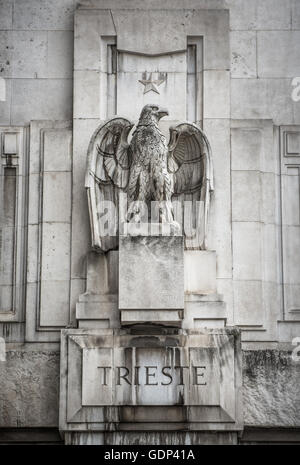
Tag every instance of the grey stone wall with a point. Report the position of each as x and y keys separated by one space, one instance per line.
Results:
x=36 y=61
x=29 y=383
x=36 y=56
x=271 y=389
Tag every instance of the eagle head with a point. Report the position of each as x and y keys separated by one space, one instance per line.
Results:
x=151 y=114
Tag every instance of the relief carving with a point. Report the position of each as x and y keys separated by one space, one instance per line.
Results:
x=147 y=170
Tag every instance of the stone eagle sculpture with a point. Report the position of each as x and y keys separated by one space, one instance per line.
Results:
x=147 y=169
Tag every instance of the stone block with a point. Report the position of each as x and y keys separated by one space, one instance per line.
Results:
x=253 y=146
x=60 y=54
x=280 y=61
x=200 y=268
x=258 y=15
x=86 y=34
x=295 y=14
x=56 y=95
x=101 y=381
x=246 y=195
x=98 y=305
x=54 y=303
x=57 y=150
x=214 y=27
x=204 y=311
x=29 y=387
x=6 y=14
x=29 y=58
x=243 y=54
x=143 y=31
x=270 y=387
x=42 y=15
x=100 y=309
x=248 y=303
x=55 y=251
x=57 y=197
x=86 y=94
x=262 y=98
x=246 y=239
x=216 y=94
x=151 y=273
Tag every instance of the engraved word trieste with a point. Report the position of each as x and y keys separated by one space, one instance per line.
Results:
x=151 y=375
x=147 y=170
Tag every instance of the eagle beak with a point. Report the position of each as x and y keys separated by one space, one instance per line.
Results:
x=162 y=112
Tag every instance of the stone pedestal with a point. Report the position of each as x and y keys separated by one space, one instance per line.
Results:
x=151 y=279
x=98 y=306
x=151 y=381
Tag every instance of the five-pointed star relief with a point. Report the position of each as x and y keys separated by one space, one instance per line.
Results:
x=151 y=84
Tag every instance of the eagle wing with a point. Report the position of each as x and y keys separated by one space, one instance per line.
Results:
x=108 y=168
x=190 y=163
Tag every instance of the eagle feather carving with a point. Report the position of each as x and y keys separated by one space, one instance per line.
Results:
x=148 y=169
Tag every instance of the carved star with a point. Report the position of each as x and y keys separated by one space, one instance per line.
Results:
x=151 y=84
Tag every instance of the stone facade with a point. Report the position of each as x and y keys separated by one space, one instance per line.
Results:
x=65 y=68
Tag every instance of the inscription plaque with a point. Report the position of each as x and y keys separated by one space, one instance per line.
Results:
x=130 y=374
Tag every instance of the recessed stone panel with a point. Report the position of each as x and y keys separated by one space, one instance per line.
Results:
x=151 y=272
x=111 y=376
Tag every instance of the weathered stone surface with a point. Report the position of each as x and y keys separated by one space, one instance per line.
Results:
x=246 y=250
x=271 y=388
x=280 y=61
x=246 y=195
x=258 y=15
x=256 y=178
x=6 y=8
x=243 y=54
x=55 y=94
x=40 y=14
x=263 y=98
x=29 y=54
x=216 y=94
x=100 y=380
x=248 y=302
x=153 y=438
x=200 y=269
x=60 y=54
x=246 y=148
x=295 y=14
x=147 y=26
x=151 y=272
x=29 y=381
